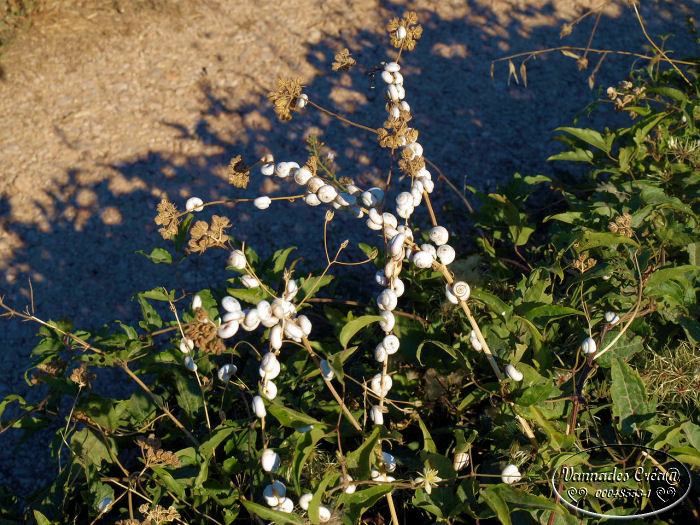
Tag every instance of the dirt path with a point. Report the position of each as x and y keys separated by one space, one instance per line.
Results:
x=107 y=105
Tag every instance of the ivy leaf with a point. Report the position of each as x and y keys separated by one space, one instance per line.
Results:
x=629 y=397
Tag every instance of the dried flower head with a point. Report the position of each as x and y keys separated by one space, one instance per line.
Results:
x=82 y=377
x=583 y=263
x=284 y=100
x=204 y=334
x=343 y=61
x=410 y=34
x=51 y=369
x=238 y=173
x=205 y=236
x=158 y=515
x=167 y=217
x=410 y=166
x=622 y=225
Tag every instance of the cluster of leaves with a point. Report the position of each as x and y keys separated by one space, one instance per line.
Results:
x=549 y=260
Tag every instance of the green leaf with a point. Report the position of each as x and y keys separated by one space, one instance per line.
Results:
x=692 y=434
x=494 y=499
x=577 y=155
x=291 y=418
x=536 y=394
x=354 y=326
x=454 y=354
x=158 y=255
x=170 y=483
x=207 y=448
x=159 y=295
x=303 y=449
x=280 y=259
x=41 y=519
x=593 y=239
x=546 y=313
x=311 y=285
x=151 y=319
x=86 y=444
x=523 y=500
x=356 y=504
x=494 y=304
x=569 y=217
x=589 y=136
x=188 y=397
x=315 y=503
x=277 y=517
x=624 y=348
x=428 y=443
x=659 y=277
x=360 y=458
x=249 y=295
x=629 y=397
x=102 y=411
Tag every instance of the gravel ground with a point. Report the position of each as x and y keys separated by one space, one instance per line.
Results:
x=106 y=106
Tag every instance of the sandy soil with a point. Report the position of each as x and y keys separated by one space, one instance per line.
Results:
x=107 y=105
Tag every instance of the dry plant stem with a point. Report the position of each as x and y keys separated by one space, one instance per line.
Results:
x=489 y=356
x=430 y=208
x=392 y=509
x=591 y=50
x=340 y=117
x=658 y=49
x=330 y=386
x=451 y=185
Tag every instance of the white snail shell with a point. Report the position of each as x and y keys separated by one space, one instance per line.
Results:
x=392 y=92
x=446 y=254
x=194 y=204
x=612 y=318
x=396 y=246
x=389 y=461
x=388 y=323
x=588 y=346
x=376 y=415
x=262 y=203
x=326 y=193
x=258 y=406
x=392 y=268
x=305 y=500
x=272 y=373
x=404 y=105
x=238 y=315
x=376 y=216
x=326 y=371
x=279 y=308
x=398 y=286
x=405 y=212
x=389 y=219
x=395 y=112
x=400 y=33
x=351 y=487
x=401 y=91
x=267 y=169
x=286 y=506
x=373 y=225
x=387 y=300
x=510 y=474
x=226 y=371
x=514 y=373
x=474 y=340
x=450 y=296
x=251 y=319
x=345 y=199
x=427 y=247
x=380 y=278
x=380 y=353
x=276 y=337
x=264 y=310
x=428 y=184
x=417 y=196
x=461 y=290
x=416 y=148
x=293 y=331
x=269 y=390
x=398 y=78
x=311 y=199
x=274 y=492
x=249 y=281
x=423 y=259
x=291 y=289
x=324 y=514
x=190 y=364
x=314 y=184
x=379 y=387
x=404 y=199
x=387 y=77
x=227 y=330
x=460 y=461
x=418 y=186
x=270 y=460
x=369 y=199
x=269 y=322
x=390 y=232
x=282 y=169
x=391 y=343
x=186 y=345
x=269 y=362
x=302 y=100
x=439 y=235
x=237 y=260
x=304 y=324
x=392 y=67
x=196 y=302
x=230 y=304
x=302 y=176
